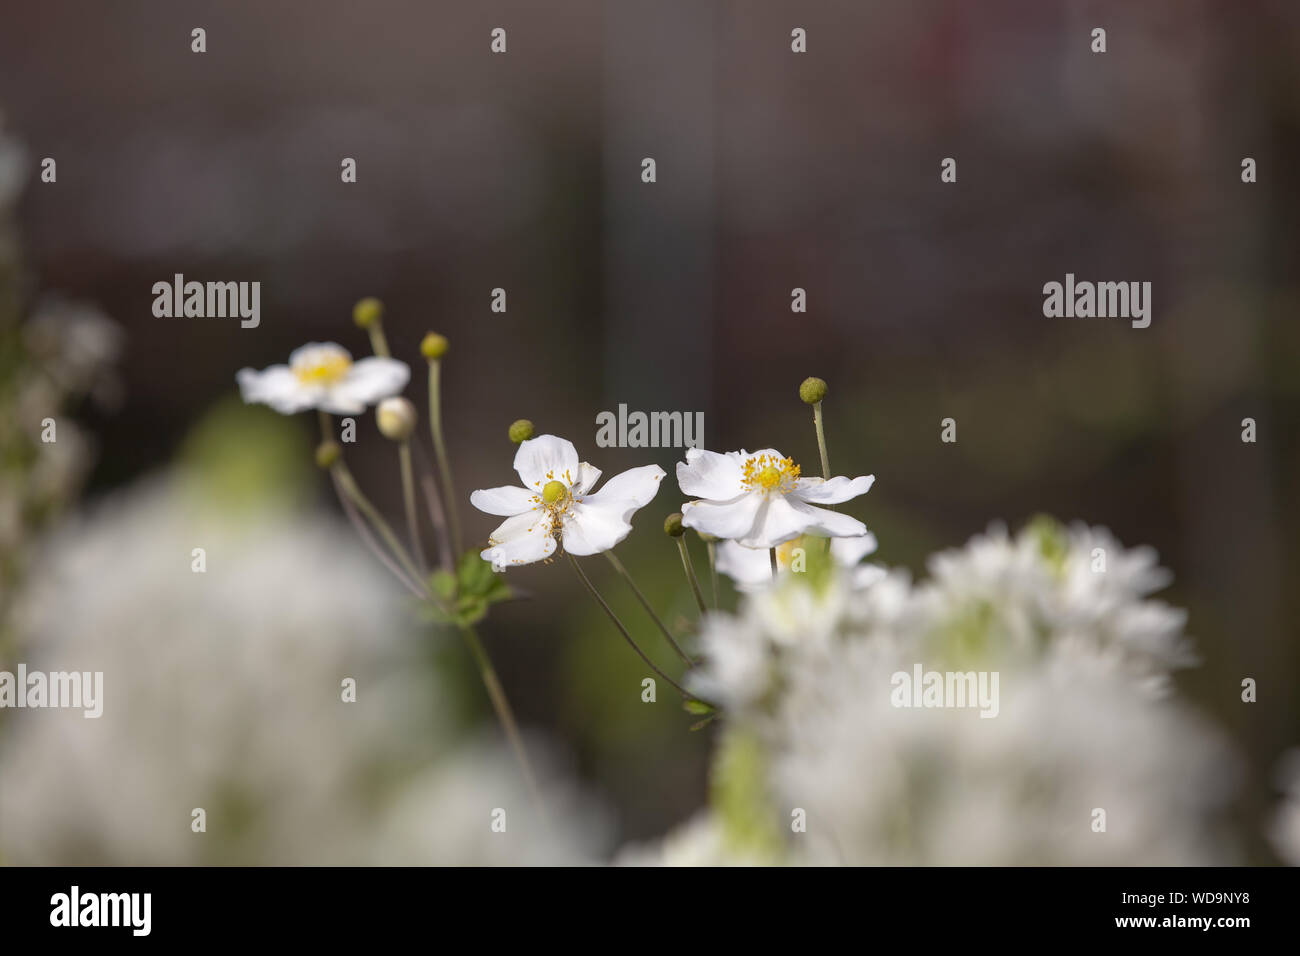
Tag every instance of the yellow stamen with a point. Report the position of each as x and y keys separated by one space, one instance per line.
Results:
x=767 y=473
x=327 y=369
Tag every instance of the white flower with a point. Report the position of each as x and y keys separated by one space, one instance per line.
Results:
x=556 y=504
x=751 y=568
x=760 y=501
x=698 y=842
x=1284 y=827
x=222 y=690
x=808 y=670
x=322 y=375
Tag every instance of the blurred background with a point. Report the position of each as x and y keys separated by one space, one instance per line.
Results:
x=775 y=170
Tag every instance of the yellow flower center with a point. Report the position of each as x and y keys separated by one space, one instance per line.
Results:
x=554 y=492
x=767 y=473
x=326 y=367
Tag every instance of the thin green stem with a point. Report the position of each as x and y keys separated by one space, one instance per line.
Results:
x=440 y=450
x=821 y=441
x=363 y=530
x=618 y=566
x=690 y=574
x=501 y=704
x=379 y=344
x=350 y=488
x=408 y=501
x=712 y=548
x=609 y=611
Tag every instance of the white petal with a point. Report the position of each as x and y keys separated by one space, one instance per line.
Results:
x=750 y=568
x=830 y=524
x=522 y=539
x=832 y=492
x=732 y=519
x=547 y=458
x=849 y=551
x=313 y=353
x=778 y=521
x=591 y=527
x=636 y=485
x=868 y=574
x=278 y=387
x=598 y=522
x=707 y=474
x=588 y=475
x=368 y=381
x=506 y=500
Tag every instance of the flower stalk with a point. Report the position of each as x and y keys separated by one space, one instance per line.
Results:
x=663 y=629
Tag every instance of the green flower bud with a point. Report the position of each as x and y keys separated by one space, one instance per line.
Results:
x=434 y=346
x=554 y=491
x=327 y=453
x=521 y=431
x=673 y=525
x=812 y=390
x=367 y=313
x=396 y=417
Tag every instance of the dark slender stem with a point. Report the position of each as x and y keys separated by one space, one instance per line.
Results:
x=501 y=705
x=663 y=629
x=772 y=552
x=350 y=510
x=408 y=503
x=437 y=514
x=440 y=451
x=591 y=588
x=713 y=570
x=690 y=574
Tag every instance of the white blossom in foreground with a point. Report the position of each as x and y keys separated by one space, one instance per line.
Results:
x=556 y=505
x=807 y=674
x=322 y=375
x=760 y=501
x=1284 y=829
x=223 y=690
x=751 y=568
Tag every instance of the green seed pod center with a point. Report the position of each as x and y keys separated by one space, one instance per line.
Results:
x=554 y=491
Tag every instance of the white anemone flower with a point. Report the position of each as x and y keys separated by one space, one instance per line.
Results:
x=322 y=375
x=751 y=568
x=556 y=505
x=759 y=500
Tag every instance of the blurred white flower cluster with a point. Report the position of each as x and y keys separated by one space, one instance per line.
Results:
x=1284 y=827
x=223 y=691
x=53 y=354
x=818 y=765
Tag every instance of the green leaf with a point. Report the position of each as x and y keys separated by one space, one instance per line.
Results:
x=698 y=707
